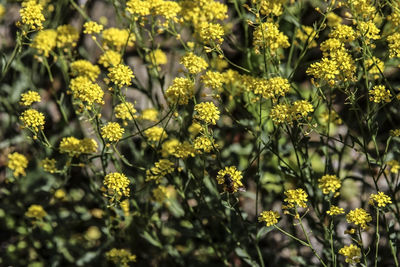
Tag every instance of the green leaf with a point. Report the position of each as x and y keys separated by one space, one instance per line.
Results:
x=151 y=240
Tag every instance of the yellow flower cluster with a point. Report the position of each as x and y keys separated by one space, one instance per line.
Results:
x=184 y=150
x=45 y=41
x=286 y=113
x=368 y=30
x=29 y=97
x=116 y=39
x=161 y=194
x=375 y=67
x=117 y=185
x=49 y=165
x=17 y=163
x=2 y=11
x=269 y=217
x=204 y=144
x=112 y=132
x=380 y=199
x=207 y=112
x=157 y=57
x=235 y=177
x=160 y=169
x=74 y=147
x=394 y=165
x=181 y=90
x=149 y=114
x=194 y=64
x=333 y=19
x=270 y=88
x=394 y=18
x=138 y=7
x=155 y=134
x=32 y=119
x=197 y=11
x=110 y=58
x=91 y=27
x=85 y=90
x=120 y=257
x=210 y=33
x=36 y=212
x=268 y=36
x=67 y=36
x=352 y=253
x=343 y=33
x=270 y=7
x=334 y=210
x=359 y=217
x=306 y=34
x=121 y=75
x=329 y=183
x=361 y=8
x=379 y=94
x=213 y=79
x=31 y=15
x=394 y=45
x=295 y=198
x=83 y=67
x=169 y=147
x=125 y=111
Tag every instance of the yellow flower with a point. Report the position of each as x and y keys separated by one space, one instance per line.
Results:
x=207 y=112
x=210 y=33
x=29 y=97
x=120 y=257
x=2 y=11
x=381 y=199
x=235 y=179
x=18 y=163
x=270 y=7
x=36 y=212
x=86 y=91
x=138 y=7
x=31 y=15
x=125 y=111
x=91 y=27
x=49 y=165
x=268 y=36
x=329 y=183
x=161 y=193
x=213 y=79
x=112 y=132
x=295 y=198
x=270 y=217
x=75 y=147
x=110 y=58
x=394 y=165
x=161 y=169
x=196 y=12
x=359 y=217
x=395 y=132
x=121 y=75
x=67 y=36
x=194 y=129
x=116 y=39
x=184 y=150
x=45 y=41
x=379 y=94
x=281 y=113
x=33 y=119
x=306 y=35
x=333 y=19
x=157 y=57
x=352 y=253
x=117 y=185
x=149 y=114
x=181 y=90
x=155 y=134
x=343 y=33
x=85 y=68
x=168 y=147
x=204 y=144
x=334 y=210
x=193 y=63
x=394 y=45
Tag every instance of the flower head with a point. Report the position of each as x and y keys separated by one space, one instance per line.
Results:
x=235 y=179
x=380 y=199
x=74 y=147
x=85 y=68
x=33 y=119
x=67 y=36
x=120 y=257
x=125 y=111
x=85 y=90
x=121 y=75
x=110 y=58
x=18 y=163
x=379 y=94
x=270 y=217
x=155 y=134
x=207 y=112
x=29 y=97
x=295 y=198
x=117 y=185
x=49 y=165
x=194 y=64
x=31 y=15
x=181 y=90
x=359 y=217
x=334 y=210
x=160 y=169
x=36 y=212
x=329 y=183
x=45 y=41
x=112 y=132
x=91 y=27
x=352 y=253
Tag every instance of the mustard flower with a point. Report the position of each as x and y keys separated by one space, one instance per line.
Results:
x=138 y=7
x=125 y=111
x=394 y=45
x=194 y=129
x=334 y=210
x=125 y=207
x=117 y=38
x=301 y=108
x=359 y=217
x=210 y=33
x=352 y=253
x=326 y=69
x=270 y=7
x=230 y=178
x=369 y=30
x=157 y=57
x=181 y=90
x=269 y=217
x=121 y=75
x=213 y=80
x=168 y=147
x=160 y=169
x=379 y=94
x=203 y=10
x=117 y=185
x=155 y=134
x=112 y=132
x=268 y=36
x=343 y=33
x=295 y=198
x=49 y=165
x=44 y=42
x=375 y=67
x=207 y=112
x=83 y=67
x=333 y=19
x=281 y=113
x=271 y=88
x=29 y=97
x=395 y=132
x=120 y=257
x=91 y=27
x=307 y=34
x=194 y=64
x=204 y=144
x=36 y=212
x=394 y=165
x=31 y=15
x=74 y=147
x=110 y=58
x=149 y=114
x=17 y=163
x=67 y=36
x=380 y=199
x=329 y=183
x=161 y=193
x=32 y=119
x=85 y=90
x=184 y=150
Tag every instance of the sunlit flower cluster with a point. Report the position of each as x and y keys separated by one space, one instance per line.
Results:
x=117 y=185
x=207 y=112
x=160 y=169
x=231 y=179
x=352 y=254
x=74 y=147
x=380 y=199
x=112 y=132
x=29 y=97
x=17 y=163
x=359 y=217
x=269 y=217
